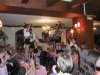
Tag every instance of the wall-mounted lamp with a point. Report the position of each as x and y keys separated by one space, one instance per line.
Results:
x=77 y=26
x=94 y=28
x=1 y=25
x=46 y=27
x=72 y=32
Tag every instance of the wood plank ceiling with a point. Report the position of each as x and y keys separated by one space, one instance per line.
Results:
x=56 y=8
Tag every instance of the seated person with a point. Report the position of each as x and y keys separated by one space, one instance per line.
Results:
x=64 y=65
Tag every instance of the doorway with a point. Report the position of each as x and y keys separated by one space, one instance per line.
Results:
x=19 y=38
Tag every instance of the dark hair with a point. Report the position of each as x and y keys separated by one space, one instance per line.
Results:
x=65 y=63
x=75 y=40
x=69 y=40
x=90 y=63
x=73 y=50
x=26 y=25
x=92 y=57
x=85 y=44
x=1 y=48
x=57 y=69
x=30 y=29
x=21 y=71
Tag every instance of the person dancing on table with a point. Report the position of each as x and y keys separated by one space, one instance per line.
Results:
x=26 y=39
x=32 y=41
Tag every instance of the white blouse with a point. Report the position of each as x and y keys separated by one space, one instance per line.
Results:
x=26 y=33
x=33 y=38
x=3 y=69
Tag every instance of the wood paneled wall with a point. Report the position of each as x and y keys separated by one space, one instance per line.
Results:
x=86 y=33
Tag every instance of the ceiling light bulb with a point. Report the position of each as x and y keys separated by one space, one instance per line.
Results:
x=89 y=18
x=48 y=27
x=44 y=28
x=67 y=0
x=78 y=24
x=94 y=28
x=71 y=31
x=75 y=25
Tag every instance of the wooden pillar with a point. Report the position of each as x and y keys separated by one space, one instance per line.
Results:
x=85 y=32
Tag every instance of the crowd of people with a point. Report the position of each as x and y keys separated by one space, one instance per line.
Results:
x=37 y=58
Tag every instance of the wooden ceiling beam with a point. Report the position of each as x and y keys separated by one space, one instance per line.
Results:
x=38 y=12
x=51 y=2
x=28 y=11
x=25 y=1
x=77 y=3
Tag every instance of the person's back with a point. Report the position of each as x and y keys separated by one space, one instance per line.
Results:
x=75 y=57
x=64 y=65
x=40 y=70
x=83 y=54
x=84 y=49
x=92 y=64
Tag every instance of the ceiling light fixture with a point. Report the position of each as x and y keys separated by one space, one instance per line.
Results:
x=46 y=27
x=68 y=0
x=94 y=28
